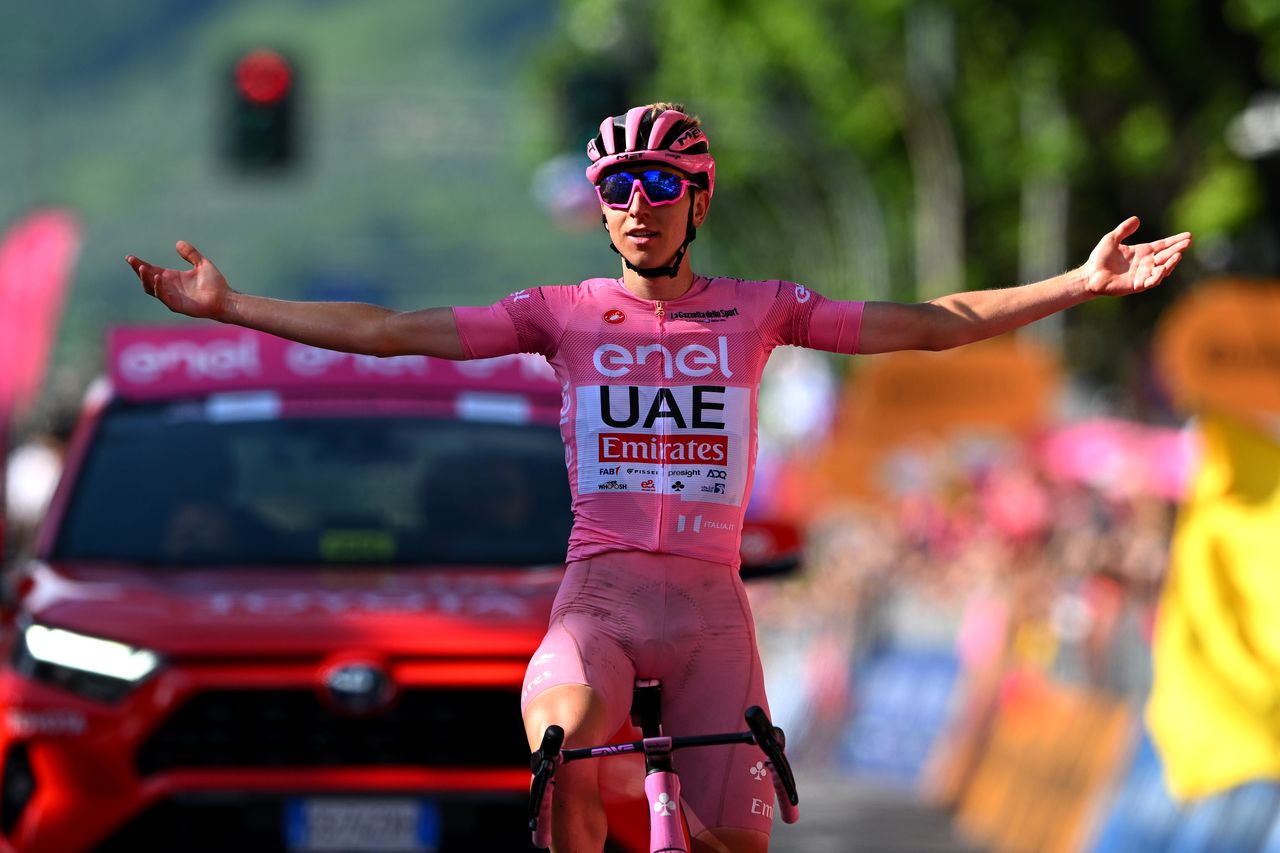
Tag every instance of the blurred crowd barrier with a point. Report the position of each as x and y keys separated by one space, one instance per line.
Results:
x=1063 y=633
x=986 y=641
x=985 y=637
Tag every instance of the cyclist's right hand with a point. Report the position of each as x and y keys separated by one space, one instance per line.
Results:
x=198 y=292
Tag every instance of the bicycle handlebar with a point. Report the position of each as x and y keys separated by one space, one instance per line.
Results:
x=772 y=741
x=543 y=764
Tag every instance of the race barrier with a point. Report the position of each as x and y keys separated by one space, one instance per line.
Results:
x=904 y=701
x=1057 y=768
x=1051 y=750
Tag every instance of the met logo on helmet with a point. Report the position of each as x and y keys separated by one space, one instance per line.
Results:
x=615 y=360
x=689 y=137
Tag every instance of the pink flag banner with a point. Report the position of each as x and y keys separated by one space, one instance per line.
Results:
x=37 y=257
x=1121 y=457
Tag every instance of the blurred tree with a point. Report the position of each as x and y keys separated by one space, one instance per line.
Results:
x=904 y=148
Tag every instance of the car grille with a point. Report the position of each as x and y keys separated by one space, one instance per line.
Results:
x=293 y=728
x=218 y=823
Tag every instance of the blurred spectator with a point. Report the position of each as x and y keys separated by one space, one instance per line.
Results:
x=985 y=550
x=31 y=476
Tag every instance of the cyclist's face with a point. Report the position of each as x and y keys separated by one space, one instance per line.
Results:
x=649 y=234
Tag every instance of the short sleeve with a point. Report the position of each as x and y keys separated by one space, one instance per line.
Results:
x=522 y=322
x=798 y=316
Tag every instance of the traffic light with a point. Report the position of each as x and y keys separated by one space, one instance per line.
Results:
x=261 y=125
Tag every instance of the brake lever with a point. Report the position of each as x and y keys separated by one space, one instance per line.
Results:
x=542 y=764
x=772 y=741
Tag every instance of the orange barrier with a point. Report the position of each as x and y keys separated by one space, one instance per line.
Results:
x=1005 y=386
x=1036 y=779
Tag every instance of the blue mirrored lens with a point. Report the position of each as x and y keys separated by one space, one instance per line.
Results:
x=616 y=188
x=661 y=186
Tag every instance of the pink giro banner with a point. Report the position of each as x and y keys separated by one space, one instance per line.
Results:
x=37 y=256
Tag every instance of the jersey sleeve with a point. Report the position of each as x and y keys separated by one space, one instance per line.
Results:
x=802 y=317
x=522 y=322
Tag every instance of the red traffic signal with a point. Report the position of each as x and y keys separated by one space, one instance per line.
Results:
x=259 y=128
x=263 y=77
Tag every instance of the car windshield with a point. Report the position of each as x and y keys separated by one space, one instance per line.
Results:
x=169 y=484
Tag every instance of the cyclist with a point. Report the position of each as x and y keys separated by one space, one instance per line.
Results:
x=660 y=369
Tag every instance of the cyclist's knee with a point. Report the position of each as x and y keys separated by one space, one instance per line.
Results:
x=730 y=840
x=576 y=708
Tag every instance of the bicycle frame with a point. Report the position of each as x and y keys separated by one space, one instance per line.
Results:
x=667 y=829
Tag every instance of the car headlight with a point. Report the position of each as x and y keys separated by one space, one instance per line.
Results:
x=98 y=669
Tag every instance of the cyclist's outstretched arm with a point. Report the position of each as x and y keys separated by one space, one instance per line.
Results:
x=1113 y=269
x=202 y=291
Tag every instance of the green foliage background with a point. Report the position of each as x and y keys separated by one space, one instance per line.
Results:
x=843 y=130
x=872 y=149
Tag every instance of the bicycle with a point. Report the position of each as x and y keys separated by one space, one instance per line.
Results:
x=667 y=831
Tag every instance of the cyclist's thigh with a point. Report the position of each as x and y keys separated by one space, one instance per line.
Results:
x=731 y=841
x=582 y=648
x=717 y=677
x=725 y=787
x=576 y=708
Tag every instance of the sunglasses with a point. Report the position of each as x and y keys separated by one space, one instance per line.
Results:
x=657 y=187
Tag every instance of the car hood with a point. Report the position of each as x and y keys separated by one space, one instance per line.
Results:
x=466 y=611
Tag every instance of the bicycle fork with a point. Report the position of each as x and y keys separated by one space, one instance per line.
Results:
x=662 y=789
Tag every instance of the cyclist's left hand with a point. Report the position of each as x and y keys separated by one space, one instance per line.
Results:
x=1115 y=269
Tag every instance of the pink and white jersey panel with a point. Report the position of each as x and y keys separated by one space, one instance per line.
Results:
x=659 y=414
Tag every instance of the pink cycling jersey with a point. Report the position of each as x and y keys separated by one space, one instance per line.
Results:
x=659 y=414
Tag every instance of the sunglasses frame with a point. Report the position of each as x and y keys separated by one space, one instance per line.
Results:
x=637 y=185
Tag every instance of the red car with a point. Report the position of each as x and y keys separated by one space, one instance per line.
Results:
x=284 y=600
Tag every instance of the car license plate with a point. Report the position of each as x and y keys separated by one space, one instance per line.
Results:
x=367 y=825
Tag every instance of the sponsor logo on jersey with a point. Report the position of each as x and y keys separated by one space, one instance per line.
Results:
x=704 y=404
x=614 y=316
x=612 y=485
x=662 y=449
x=685 y=433
x=802 y=294
x=647 y=486
x=697 y=524
x=714 y=315
x=614 y=360
x=714 y=488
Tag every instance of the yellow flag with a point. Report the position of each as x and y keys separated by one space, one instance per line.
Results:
x=1214 y=710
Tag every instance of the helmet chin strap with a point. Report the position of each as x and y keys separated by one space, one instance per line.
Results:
x=690 y=234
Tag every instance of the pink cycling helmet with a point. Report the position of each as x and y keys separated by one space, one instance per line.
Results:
x=670 y=138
